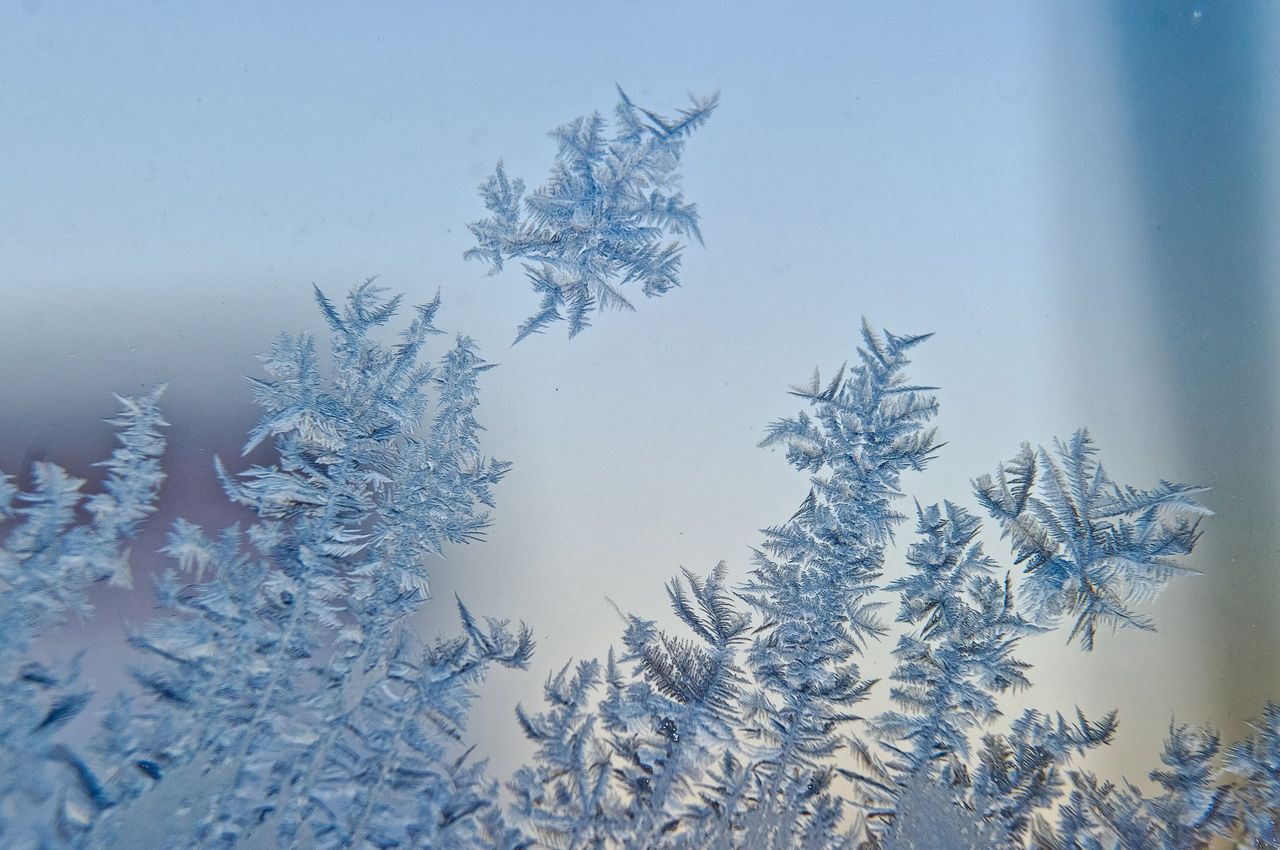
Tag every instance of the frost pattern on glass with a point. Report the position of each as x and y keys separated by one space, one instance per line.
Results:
x=57 y=542
x=1090 y=547
x=280 y=698
x=790 y=763
x=598 y=222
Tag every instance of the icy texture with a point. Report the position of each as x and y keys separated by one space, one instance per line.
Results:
x=288 y=682
x=931 y=818
x=952 y=670
x=1090 y=547
x=598 y=222
x=281 y=700
x=775 y=755
x=56 y=544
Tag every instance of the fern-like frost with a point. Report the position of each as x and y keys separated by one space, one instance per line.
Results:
x=599 y=221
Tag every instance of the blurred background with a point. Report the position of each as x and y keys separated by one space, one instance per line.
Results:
x=1079 y=199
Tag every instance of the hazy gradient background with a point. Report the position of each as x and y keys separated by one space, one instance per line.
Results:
x=1078 y=198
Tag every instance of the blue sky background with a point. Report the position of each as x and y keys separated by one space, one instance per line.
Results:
x=1078 y=200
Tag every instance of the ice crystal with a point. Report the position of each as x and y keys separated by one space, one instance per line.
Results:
x=786 y=762
x=1090 y=546
x=599 y=221
x=56 y=544
x=282 y=698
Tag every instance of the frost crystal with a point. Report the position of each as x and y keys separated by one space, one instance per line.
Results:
x=598 y=222
x=1090 y=547
x=50 y=555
